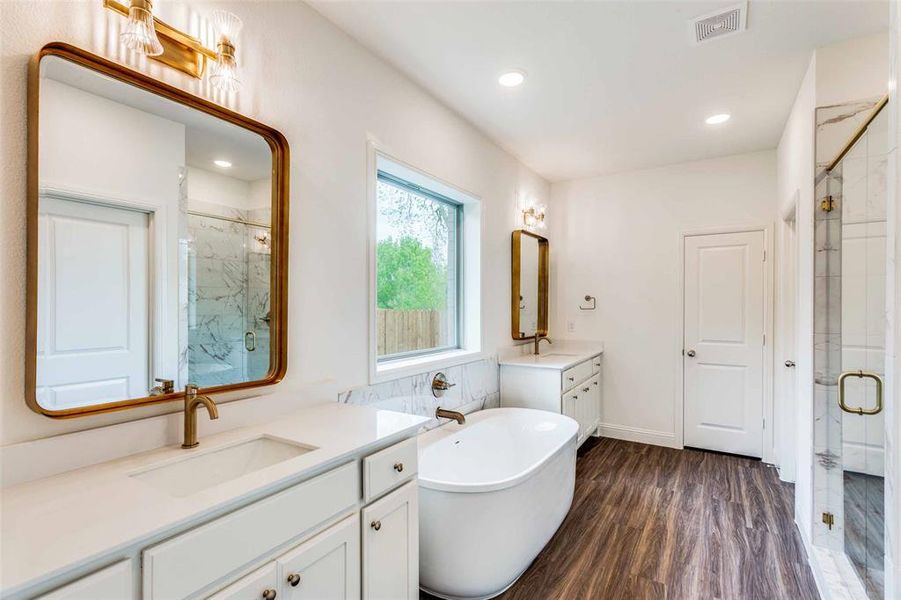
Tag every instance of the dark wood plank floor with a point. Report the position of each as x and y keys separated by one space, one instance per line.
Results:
x=652 y=522
x=864 y=529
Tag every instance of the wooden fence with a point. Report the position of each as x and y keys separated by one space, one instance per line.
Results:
x=407 y=330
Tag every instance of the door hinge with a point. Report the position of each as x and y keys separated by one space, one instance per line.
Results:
x=764 y=256
x=827 y=204
x=829 y=519
x=764 y=339
x=764 y=424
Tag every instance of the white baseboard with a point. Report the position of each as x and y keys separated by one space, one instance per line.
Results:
x=636 y=434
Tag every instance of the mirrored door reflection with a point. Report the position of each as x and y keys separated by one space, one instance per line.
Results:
x=859 y=183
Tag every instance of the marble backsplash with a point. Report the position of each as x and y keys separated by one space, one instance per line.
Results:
x=477 y=387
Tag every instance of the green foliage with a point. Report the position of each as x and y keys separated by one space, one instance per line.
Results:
x=408 y=278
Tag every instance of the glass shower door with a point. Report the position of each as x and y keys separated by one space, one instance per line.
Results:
x=862 y=175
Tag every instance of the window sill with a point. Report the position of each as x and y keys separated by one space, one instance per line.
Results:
x=404 y=367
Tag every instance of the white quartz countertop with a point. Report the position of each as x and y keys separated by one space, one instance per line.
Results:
x=558 y=357
x=60 y=523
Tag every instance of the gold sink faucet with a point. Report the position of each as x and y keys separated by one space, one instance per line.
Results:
x=538 y=340
x=192 y=401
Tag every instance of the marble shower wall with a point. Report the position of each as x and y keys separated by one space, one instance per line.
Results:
x=227 y=274
x=835 y=125
x=477 y=388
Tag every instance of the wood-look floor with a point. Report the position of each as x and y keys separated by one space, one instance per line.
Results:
x=657 y=523
x=864 y=529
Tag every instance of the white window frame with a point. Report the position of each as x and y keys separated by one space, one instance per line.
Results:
x=469 y=329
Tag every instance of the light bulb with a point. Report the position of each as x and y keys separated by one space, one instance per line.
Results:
x=224 y=75
x=140 y=33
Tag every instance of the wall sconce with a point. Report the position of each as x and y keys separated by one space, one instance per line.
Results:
x=533 y=217
x=148 y=35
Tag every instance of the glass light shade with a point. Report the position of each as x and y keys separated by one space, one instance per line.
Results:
x=140 y=33
x=227 y=24
x=224 y=74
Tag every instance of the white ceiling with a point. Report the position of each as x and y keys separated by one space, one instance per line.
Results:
x=207 y=138
x=612 y=86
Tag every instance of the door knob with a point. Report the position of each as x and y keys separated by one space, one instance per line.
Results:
x=376 y=525
x=789 y=363
x=690 y=354
x=294 y=579
x=269 y=594
x=399 y=467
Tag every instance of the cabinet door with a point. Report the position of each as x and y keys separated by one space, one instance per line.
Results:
x=391 y=546
x=570 y=400
x=326 y=567
x=596 y=401
x=262 y=584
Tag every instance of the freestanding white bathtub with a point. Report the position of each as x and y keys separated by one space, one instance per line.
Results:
x=492 y=492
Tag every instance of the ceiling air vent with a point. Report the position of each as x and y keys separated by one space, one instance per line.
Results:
x=721 y=23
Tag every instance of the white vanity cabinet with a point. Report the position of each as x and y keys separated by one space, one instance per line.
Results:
x=324 y=538
x=561 y=383
x=391 y=546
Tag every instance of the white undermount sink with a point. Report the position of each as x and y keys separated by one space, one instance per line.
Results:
x=196 y=472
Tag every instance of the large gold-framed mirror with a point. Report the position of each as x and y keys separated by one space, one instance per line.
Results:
x=529 y=300
x=157 y=240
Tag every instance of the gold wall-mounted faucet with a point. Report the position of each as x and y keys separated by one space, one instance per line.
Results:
x=192 y=401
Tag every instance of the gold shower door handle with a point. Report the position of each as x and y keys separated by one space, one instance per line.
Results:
x=859 y=410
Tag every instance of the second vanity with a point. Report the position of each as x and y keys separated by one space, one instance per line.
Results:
x=321 y=503
x=565 y=380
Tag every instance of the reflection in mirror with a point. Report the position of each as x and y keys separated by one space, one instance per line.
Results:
x=154 y=243
x=530 y=272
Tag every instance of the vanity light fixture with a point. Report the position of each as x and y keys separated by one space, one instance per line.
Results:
x=150 y=36
x=533 y=217
x=140 y=32
x=225 y=72
x=224 y=164
x=512 y=78
x=718 y=119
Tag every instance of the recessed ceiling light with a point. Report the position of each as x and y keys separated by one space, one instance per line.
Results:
x=717 y=119
x=512 y=78
x=222 y=163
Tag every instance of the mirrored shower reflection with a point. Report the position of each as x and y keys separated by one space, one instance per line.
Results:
x=228 y=287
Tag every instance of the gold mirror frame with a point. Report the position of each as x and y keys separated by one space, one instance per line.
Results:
x=543 y=271
x=278 y=353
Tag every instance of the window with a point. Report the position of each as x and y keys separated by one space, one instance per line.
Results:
x=418 y=269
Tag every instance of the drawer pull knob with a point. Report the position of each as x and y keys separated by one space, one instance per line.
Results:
x=269 y=594
x=399 y=467
x=595 y=382
x=294 y=579
x=585 y=389
x=376 y=525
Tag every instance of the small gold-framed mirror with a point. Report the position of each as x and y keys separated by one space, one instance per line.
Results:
x=529 y=300
x=157 y=241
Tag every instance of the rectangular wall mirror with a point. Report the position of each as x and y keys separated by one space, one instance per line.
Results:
x=529 y=300
x=157 y=240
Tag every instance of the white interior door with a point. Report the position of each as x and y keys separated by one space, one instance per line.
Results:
x=92 y=304
x=724 y=337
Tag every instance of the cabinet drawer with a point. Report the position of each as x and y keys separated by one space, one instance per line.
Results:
x=576 y=374
x=596 y=364
x=111 y=583
x=253 y=586
x=188 y=563
x=388 y=468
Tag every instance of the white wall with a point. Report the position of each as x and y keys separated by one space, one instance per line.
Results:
x=327 y=95
x=795 y=173
x=859 y=66
x=618 y=238
x=217 y=189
